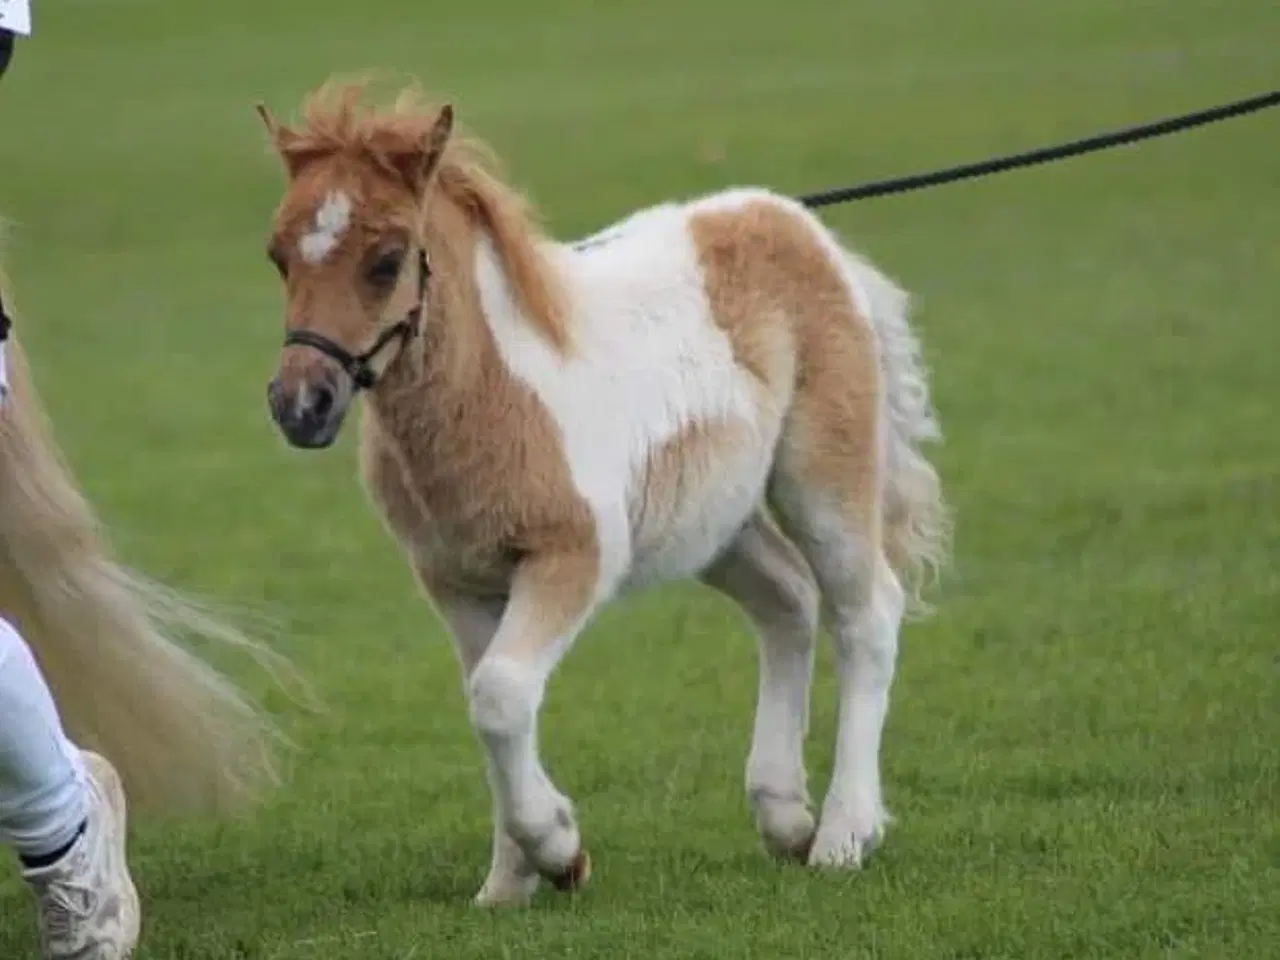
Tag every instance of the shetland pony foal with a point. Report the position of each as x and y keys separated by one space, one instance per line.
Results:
x=550 y=426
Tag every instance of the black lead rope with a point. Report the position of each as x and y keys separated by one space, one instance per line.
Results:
x=1102 y=141
x=358 y=366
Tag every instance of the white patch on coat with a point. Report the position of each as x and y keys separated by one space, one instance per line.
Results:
x=332 y=220
x=648 y=360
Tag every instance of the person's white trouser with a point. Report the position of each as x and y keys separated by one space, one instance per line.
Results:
x=42 y=778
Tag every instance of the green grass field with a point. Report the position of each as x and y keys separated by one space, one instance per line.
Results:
x=1082 y=747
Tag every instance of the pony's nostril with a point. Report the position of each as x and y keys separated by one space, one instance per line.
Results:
x=322 y=402
x=276 y=398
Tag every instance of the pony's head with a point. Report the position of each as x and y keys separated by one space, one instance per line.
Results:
x=347 y=241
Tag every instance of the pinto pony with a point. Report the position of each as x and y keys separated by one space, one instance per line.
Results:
x=550 y=426
x=107 y=638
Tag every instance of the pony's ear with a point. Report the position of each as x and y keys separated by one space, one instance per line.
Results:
x=418 y=163
x=288 y=143
x=281 y=137
x=438 y=136
x=268 y=120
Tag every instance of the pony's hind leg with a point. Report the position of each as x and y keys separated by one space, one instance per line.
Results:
x=827 y=487
x=864 y=605
x=764 y=573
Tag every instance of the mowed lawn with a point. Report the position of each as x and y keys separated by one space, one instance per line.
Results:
x=1082 y=746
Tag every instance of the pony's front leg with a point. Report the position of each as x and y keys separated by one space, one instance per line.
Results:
x=551 y=599
x=473 y=622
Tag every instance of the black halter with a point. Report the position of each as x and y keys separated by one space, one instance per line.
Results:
x=357 y=365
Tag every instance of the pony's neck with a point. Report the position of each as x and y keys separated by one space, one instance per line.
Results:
x=502 y=218
x=447 y=376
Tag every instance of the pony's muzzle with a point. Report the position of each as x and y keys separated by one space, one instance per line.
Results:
x=309 y=412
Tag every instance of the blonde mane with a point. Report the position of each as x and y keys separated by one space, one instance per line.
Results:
x=336 y=121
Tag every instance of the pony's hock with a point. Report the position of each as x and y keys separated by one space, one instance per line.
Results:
x=559 y=426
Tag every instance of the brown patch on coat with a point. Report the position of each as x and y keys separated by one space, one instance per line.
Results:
x=551 y=597
x=385 y=480
x=771 y=281
x=463 y=460
x=676 y=472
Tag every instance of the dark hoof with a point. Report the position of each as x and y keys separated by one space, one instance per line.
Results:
x=575 y=877
x=795 y=849
x=793 y=852
x=801 y=854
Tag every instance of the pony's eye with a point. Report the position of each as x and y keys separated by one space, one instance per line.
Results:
x=384 y=271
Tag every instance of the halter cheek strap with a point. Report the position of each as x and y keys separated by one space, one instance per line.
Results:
x=359 y=366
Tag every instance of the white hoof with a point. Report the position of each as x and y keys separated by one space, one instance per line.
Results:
x=844 y=841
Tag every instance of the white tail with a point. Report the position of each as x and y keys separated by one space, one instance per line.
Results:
x=917 y=521
x=107 y=639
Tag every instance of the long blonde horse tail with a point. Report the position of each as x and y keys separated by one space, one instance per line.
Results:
x=919 y=524
x=111 y=642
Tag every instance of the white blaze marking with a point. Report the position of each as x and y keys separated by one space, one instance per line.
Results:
x=332 y=220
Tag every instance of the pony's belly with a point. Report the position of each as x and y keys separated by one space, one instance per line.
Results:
x=683 y=543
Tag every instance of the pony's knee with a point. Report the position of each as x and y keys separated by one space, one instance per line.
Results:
x=504 y=695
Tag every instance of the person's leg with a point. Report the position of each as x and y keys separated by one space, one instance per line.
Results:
x=63 y=813
x=6 y=50
x=43 y=789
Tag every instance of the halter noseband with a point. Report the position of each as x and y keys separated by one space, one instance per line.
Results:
x=357 y=365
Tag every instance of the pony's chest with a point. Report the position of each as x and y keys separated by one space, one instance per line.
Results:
x=470 y=526
x=465 y=561
x=454 y=518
